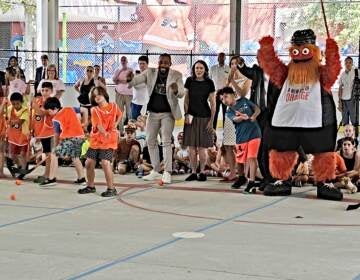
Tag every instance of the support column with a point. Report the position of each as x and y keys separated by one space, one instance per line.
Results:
x=235 y=26
x=47 y=22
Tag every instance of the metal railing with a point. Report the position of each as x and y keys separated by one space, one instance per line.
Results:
x=71 y=65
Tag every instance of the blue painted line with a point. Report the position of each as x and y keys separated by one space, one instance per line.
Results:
x=65 y=210
x=29 y=206
x=166 y=243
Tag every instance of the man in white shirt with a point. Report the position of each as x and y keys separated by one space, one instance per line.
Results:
x=346 y=97
x=219 y=74
x=140 y=93
x=123 y=94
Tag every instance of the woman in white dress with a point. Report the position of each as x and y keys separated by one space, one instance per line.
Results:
x=53 y=77
x=240 y=84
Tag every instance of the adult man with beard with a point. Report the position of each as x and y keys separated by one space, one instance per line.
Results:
x=165 y=87
x=305 y=115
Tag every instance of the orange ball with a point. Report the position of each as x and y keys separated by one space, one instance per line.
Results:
x=13 y=197
x=18 y=182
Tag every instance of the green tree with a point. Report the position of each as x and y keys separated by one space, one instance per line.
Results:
x=343 y=20
x=7 y=5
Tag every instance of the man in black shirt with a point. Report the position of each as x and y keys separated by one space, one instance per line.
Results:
x=165 y=87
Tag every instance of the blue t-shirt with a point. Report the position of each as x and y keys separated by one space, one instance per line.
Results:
x=245 y=130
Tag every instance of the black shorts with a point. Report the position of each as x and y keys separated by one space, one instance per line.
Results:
x=100 y=154
x=47 y=145
x=319 y=140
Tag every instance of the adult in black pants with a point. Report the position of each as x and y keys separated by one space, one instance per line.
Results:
x=264 y=95
x=219 y=74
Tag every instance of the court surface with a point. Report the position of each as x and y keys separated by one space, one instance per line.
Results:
x=55 y=233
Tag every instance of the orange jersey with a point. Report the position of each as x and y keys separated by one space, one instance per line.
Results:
x=18 y=134
x=2 y=123
x=69 y=123
x=107 y=117
x=42 y=124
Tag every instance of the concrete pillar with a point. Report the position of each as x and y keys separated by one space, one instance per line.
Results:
x=47 y=22
x=235 y=26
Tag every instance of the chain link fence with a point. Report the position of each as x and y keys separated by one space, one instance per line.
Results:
x=100 y=32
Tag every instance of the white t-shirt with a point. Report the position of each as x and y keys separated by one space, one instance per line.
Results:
x=219 y=75
x=346 y=82
x=58 y=85
x=140 y=94
x=299 y=106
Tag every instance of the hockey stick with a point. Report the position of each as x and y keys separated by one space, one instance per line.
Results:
x=324 y=16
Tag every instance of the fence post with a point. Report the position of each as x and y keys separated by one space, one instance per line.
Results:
x=17 y=52
x=102 y=62
x=191 y=58
x=58 y=60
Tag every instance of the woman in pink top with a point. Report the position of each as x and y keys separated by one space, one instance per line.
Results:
x=123 y=94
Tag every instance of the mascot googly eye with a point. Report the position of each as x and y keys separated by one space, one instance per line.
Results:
x=295 y=52
x=305 y=51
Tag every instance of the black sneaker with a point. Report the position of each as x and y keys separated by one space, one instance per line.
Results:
x=81 y=181
x=109 y=193
x=39 y=179
x=201 y=177
x=328 y=192
x=241 y=180
x=48 y=183
x=21 y=176
x=250 y=188
x=86 y=190
x=279 y=188
x=192 y=177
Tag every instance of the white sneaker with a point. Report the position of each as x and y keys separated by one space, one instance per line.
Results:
x=166 y=178
x=152 y=176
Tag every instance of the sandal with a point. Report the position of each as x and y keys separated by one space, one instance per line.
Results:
x=86 y=190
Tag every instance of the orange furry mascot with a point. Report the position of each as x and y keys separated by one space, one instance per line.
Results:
x=305 y=114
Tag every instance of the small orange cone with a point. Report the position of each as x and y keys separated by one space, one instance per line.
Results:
x=13 y=197
x=18 y=182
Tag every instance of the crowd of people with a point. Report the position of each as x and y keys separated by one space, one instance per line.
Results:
x=135 y=134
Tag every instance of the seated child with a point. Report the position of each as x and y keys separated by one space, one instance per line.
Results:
x=181 y=156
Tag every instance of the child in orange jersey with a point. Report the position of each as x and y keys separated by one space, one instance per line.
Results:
x=43 y=130
x=2 y=132
x=18 y=130
x=105 y=117
x=69 y=135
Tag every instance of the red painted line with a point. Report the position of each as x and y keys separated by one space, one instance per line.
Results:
x=345 y=199
x=180 y=188
x=132 y=205
x=120 y=199
x=296 y=224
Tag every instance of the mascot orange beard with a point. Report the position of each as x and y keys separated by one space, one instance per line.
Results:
x=301 y=74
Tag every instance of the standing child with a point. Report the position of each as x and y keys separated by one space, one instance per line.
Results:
x=15 y=83
x=103 y=140
x=18 y=130
x=243 y=113
x=2 y=132
x=69 y=135
x=43 y=130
